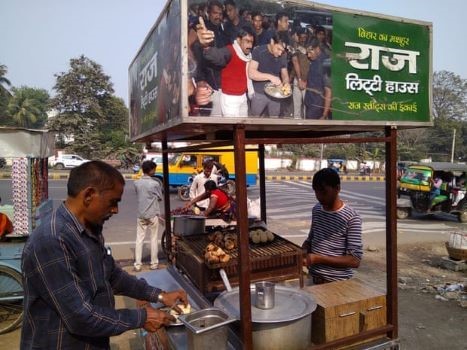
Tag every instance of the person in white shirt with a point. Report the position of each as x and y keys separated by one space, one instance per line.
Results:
x=197 y=187
x=149 y=195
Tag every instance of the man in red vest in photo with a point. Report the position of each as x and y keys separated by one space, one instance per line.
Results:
x=234 y=59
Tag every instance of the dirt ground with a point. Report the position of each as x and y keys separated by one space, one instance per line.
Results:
x=430 y=317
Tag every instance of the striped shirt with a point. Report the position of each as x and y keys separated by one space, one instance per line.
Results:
x=335 y=233
x=69 y=282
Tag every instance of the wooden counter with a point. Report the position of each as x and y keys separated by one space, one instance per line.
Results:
x=346 y=308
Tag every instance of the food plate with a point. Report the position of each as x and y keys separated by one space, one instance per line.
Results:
x=276 y=91
x=178 y=322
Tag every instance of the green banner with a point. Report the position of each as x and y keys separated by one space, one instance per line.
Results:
x=380 y=69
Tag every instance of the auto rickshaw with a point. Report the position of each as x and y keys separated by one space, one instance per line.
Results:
x=415 y=193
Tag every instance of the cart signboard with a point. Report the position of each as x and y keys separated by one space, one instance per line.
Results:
x=371 y=70
x=380 y=69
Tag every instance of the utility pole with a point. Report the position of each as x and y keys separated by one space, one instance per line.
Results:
x=453 y=144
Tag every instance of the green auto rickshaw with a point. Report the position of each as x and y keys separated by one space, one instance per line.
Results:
x=416 y=192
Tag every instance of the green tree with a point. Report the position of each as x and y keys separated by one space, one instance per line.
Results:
x=449 y=112
x=88 y=111
x=82 y=94
x=28 y=107
x=4 y=95
x=412 y=144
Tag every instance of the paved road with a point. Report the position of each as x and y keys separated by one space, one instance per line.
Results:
x=289 y=206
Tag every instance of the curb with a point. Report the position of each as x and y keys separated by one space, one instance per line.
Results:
x=359 y=178
x=309 y=178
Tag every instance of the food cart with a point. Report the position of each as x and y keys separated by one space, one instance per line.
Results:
x=380 y=83
x=28 y=151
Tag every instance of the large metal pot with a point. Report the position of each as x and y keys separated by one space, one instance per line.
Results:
x=186 y=225
x=286 y=326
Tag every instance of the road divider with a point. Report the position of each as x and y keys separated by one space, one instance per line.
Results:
x=359 y=178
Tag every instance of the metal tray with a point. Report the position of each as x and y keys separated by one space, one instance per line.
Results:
x=290 y=304
x=275 y=91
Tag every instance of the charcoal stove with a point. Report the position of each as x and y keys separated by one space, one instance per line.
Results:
x=275 y=261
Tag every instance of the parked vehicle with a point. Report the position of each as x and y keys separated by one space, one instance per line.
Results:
x=67 y=161
x=415 y=190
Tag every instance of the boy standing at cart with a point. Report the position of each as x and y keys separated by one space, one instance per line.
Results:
x=334 y=244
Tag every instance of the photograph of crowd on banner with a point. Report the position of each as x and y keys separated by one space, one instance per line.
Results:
x=263 y=59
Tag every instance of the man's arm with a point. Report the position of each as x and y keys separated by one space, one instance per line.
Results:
x=218 y=56
x=336 y=261
x=212 y=205
x=285 y=76
x=255 y=74
x=327 y=102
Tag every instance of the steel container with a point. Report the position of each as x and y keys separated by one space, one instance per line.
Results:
x=286 y=326
x=187 y=225
x=265 y=293
x=207 y=329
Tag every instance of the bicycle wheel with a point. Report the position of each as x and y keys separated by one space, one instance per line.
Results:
x=11 y=299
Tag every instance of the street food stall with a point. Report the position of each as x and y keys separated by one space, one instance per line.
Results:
x=27 y=151
x=380 y=83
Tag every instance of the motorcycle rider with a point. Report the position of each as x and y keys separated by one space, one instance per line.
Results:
x=197 y=187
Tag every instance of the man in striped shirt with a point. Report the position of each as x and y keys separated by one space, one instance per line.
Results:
x=334 y=244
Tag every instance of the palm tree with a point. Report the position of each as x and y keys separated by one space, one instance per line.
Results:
x=23 y=109
x=3 y=80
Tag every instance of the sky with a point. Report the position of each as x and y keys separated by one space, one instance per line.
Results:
x=39 y=37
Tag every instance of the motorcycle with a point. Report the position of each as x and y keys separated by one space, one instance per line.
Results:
x=228 y=186
x=184 y=190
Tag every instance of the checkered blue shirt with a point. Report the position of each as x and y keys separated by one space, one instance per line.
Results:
x=69 y=283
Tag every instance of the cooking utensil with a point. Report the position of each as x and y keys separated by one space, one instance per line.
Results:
x=207 y=329
x=276 y=91
x=186 y=225
x=287 y=325
x=225 y=279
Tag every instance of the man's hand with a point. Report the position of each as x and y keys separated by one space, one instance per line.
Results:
x=275 y=80
x=205 y=37
x=156 y=319
x=302 y=84
x=310 y=259
x=171 y=299
x=203 y=93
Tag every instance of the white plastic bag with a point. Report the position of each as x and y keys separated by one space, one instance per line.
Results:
x=254 y=208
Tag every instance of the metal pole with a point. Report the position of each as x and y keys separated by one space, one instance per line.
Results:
x=262 y=183
x=321 y=156
x=242 y=229
x=453 y=144
x=168 y=227
x=391 y=230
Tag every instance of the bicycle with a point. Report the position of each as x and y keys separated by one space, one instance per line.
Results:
x=11 y=299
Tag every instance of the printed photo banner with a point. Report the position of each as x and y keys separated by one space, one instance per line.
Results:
x=376 y=69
